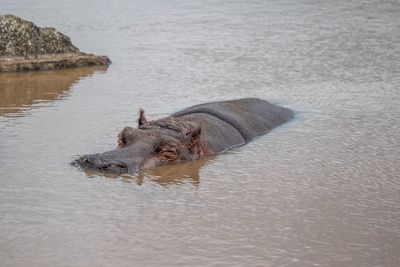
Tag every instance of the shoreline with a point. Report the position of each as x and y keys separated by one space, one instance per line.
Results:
x=51 y=62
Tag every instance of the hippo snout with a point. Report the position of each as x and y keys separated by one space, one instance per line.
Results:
x=94 y=162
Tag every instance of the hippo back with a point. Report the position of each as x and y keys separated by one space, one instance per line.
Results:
x=250 y=116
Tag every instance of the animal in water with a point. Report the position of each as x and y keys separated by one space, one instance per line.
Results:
x=194 y=132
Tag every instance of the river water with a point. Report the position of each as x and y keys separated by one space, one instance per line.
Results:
x=321 y=190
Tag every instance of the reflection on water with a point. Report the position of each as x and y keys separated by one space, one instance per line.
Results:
x=188 y=172
x=174 y=174
x=19 y=91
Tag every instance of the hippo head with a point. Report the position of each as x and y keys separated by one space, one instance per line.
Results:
x=153 y=143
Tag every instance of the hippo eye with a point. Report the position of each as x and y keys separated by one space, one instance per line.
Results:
x=157 y=149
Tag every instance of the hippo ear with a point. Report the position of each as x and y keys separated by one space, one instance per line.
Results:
x=142 y=118
x=194 y=144
x=195 y=136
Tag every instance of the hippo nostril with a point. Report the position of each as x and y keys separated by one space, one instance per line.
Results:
x=82 y=162
x=118 y=167
x=86 y=161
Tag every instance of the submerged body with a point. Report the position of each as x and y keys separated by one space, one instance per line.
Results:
x=200 y=130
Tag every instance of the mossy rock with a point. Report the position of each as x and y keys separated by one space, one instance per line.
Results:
x=19 y=37
x=25 y=46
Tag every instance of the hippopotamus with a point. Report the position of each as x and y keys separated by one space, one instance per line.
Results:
x=194 y=132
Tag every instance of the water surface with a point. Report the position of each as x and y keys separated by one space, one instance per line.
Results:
x=322 y=190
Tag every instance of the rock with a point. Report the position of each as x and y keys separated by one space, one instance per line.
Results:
x=25 y=46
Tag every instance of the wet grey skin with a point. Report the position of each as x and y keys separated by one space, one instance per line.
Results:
x=201 y=130
x=124 y=160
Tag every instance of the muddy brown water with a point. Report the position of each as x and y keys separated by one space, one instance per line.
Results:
x=322 y=190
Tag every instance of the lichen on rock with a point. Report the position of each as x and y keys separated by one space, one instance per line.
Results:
x=25 y=46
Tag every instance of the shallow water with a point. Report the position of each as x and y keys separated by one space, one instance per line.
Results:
x=321 y=190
